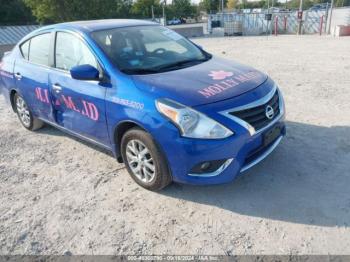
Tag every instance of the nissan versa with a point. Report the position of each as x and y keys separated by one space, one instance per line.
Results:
x=165 y=107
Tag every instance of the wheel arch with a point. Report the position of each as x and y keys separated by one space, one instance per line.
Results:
x=13 y=92
x=119 y=132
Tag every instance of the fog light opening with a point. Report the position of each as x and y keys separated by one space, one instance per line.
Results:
x=205 y=165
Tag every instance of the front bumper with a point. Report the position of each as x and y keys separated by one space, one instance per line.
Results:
x=265 y=152
x=241 y=151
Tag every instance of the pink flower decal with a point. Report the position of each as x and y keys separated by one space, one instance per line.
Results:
x=220 y=75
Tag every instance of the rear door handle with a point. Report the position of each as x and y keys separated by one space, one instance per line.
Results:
x=57 y=88
x=18 y=76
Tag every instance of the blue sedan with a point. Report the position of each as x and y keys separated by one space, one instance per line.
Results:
x=164 y=106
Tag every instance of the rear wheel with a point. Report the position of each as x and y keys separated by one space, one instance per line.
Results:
x=144 y=161
x=24 y=115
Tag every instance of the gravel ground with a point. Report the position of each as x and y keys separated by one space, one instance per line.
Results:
x=61 y=195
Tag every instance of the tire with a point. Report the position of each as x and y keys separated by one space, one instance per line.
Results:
x=140 y=152
x=24 y=114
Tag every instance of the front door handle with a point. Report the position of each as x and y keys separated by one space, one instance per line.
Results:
x=57 y=88
x=18 y=76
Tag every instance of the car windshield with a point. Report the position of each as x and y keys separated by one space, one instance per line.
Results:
x=148 y=49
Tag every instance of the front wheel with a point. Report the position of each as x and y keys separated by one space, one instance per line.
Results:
x=144 y=161
x=24 y=115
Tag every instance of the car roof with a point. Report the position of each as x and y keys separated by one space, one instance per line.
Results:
x=96 y=25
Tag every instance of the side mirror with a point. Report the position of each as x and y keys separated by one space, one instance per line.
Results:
x=85 y=72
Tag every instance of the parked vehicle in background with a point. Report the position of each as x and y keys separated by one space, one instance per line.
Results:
x=165 y=107
x=190 y=20
x=174 y=21
x=276 y=10
x=257 y=10
x=317 y=7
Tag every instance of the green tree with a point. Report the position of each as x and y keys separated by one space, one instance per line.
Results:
x=210 y=5
x=143 y=8
x=231 y=4
x=49 y=11
x=294 y=4
x=15 y=12
x=341 y=3
x=183 y=8
x=253 y=4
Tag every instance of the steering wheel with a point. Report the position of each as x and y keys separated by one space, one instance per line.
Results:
x=159 y=51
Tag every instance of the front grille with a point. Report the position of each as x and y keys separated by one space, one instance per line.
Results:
x=256 y=116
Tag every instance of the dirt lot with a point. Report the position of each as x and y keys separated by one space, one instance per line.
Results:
x=60 y=195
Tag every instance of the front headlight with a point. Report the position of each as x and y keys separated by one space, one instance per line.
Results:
x=190 y=122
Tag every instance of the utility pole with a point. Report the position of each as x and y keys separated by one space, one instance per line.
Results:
x=222 y=13
x=164 y=17
x=152 y=9
x=330 y=17
x=300 y=17
x=267 y=18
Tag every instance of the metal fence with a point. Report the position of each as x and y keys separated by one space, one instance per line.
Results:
x=256 y=24
x=10 y=35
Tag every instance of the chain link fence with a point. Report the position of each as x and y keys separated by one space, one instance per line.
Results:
x=258 y=24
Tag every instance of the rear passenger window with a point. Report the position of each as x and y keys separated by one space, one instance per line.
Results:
x=71 y=51
x=25 y=49
x=39 y=49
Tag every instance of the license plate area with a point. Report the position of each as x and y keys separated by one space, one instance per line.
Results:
x=271 y=135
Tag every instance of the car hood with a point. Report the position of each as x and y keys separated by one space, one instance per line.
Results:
x=212 y=81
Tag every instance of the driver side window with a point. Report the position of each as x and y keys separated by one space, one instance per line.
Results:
x=71 y=51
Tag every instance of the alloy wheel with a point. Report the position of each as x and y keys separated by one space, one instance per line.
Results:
x=23 y=111
x=140 y=161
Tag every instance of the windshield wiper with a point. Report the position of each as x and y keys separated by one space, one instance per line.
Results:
x=139 y=71
x=181 y=64
x=162 y=68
